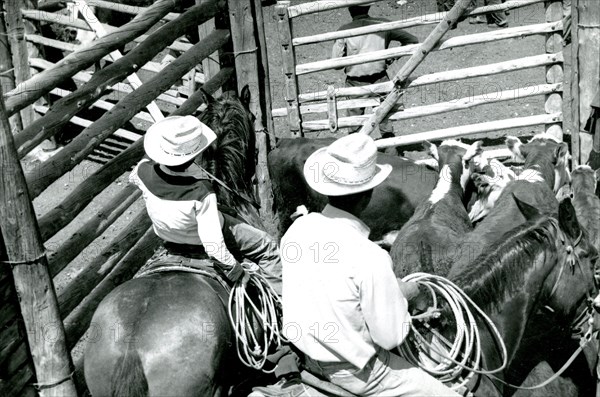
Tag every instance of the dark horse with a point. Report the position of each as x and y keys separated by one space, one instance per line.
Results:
x=544 y=264
x=170 y=332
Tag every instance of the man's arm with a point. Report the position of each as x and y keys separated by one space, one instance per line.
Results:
x=384 y=307
x=339 y=50
x=403 y=37
x=209 y=231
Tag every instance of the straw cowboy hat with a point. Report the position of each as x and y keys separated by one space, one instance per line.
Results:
x=347 y=166
x=175 y=140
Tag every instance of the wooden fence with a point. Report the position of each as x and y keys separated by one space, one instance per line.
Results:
x=332 y=102
x=227 y=52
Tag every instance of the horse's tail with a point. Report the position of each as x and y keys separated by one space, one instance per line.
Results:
x=128 y=376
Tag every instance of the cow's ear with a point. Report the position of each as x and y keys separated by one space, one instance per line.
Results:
x=561 y=153
x=431 y=150
x=475 y=149
x=515 y=145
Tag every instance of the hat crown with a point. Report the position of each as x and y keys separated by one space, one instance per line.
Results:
x=358 y=150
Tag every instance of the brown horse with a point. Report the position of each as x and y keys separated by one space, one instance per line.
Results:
x=168 y=334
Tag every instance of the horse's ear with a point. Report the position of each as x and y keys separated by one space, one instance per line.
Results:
x=514 y=144
x=206 y=97
x=528 y=211
x=245 y=96
x=561 y=153
x=431 y=150
x=567 y=219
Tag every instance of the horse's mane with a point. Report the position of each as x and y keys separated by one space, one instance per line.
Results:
x=233 y=159
x=496 y=274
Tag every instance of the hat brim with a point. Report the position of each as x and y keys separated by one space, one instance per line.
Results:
x=154 y=151
x=314 y=174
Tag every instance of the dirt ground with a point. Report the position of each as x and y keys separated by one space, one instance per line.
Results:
x=327 y=21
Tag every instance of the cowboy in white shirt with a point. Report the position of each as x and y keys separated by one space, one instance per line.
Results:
x=342 y=304
x=183 y=206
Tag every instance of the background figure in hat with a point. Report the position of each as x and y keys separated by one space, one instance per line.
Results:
x=183 y=206
x=342 y=304
x=372 y=72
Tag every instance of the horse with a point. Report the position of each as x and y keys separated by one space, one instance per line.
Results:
x=442 y=219
x=544 y=264
x=392 y=204
x=172 y=335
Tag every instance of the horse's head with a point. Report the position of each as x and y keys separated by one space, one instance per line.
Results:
x=454 y=159
x=232 y=157
x=571 y=280
x=545 y=155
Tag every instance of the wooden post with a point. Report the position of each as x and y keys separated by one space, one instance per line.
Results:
x=243 y=35
x=288 y=57
x=7 y=73
x=586 y=65
x=211 y=65
x=418 y=56
x=25 y=251
x=554 y=73
x=15 y=27
x=264 y=73
x=575 y=121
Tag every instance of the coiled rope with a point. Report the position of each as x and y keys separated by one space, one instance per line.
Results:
x=252 y=349
x=441 y=358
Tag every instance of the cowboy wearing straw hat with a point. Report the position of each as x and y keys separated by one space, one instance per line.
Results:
x=183 y=206
x=342 y=304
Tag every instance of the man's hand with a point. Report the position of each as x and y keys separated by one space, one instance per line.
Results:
x=416 y=296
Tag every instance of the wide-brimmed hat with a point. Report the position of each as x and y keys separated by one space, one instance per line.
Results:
x=175 y=140
x=347 y=166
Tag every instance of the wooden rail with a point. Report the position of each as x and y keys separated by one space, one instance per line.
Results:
x=320 y=6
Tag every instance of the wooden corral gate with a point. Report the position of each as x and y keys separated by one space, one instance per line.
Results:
x=40 y=328
x=333 y=102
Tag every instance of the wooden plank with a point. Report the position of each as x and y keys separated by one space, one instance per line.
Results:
x=16 y=29
x=453 y=42
x=554 y=73
x=7 y=75
x=442 y=77
x=320 y=6
x=24 y=94
x=67 y=107
x=127 y=9
x=444 y=107
x=401 y=78
x=210 y=65
x=471 y=129
x=264 y=76
x=574 y=105
x=96 y=269
x=92 y=136
x=421 y=20
x=79 y=320
x=288 y=56
x=324 y=107
x=23 y=246
x=99 y=30
x=588 y=54
x=247 y=66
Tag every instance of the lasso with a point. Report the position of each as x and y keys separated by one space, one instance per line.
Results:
x=441 y=358
x=252 y=351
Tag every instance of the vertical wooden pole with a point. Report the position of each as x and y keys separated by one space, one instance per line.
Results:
x=243 y=35
x=15 y=27
x=7 y=73
x=554 y=73
x=264 y=72
x=25 y=252
x=210 y=65
x=288 y=56
x=588 y=62
x=575 y=120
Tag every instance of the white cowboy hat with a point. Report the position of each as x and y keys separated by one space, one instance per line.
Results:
x=347 y=166
x=177 y=139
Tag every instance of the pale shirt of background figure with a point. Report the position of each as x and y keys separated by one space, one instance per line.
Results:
x=372 y=72
x=343 y=307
